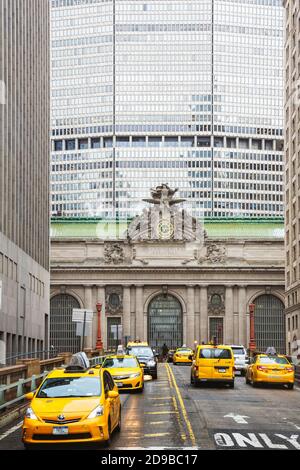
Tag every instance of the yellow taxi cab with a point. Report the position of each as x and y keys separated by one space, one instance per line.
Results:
x=126 y=371
x=73 y=406
x=183 y=355
x=266 y=368
x=213 y=363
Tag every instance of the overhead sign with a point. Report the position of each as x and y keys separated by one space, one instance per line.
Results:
x=81 y=315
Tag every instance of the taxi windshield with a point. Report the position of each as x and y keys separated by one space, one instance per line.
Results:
x=215 y=353
x=184 y=350
x=273 y=360
x=65 y=387
x=120 y=363
x=141 y=351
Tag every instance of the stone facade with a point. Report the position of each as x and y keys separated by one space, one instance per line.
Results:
x=214 y=277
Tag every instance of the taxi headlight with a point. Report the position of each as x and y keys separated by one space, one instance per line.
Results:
x=151 y=363
x=29 y=414
x=99 y=411
x=133 y=376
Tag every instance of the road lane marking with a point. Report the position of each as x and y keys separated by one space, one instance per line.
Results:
x=182 y=433
x=237 y=418
x=158 y=434
x=160 y=404
x=183 y=409
x=159 y=422
x=11 y=431
x=161 y=398
x=268 y=440
x=160 y=412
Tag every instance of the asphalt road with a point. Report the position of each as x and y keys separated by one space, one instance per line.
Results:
x=171 y=414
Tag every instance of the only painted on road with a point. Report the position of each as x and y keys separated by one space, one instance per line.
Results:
x=229 y=439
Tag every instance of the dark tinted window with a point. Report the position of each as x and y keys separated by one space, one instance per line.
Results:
x=215 y=353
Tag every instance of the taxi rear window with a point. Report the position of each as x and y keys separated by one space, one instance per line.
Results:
x=215 y=353
x=273 y=360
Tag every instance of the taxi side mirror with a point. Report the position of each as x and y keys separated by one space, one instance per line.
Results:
x=142 y=366
x=29 y=396
x=112 y=394
x=191 y=357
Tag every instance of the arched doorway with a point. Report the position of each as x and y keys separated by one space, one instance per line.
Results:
x=165 y=323
x=269 y=323
x=62 y=330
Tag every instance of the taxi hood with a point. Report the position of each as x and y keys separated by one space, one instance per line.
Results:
x=124 y=371
x=67 y=406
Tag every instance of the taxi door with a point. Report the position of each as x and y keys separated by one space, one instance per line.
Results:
x=204 y=363
x=112 y=403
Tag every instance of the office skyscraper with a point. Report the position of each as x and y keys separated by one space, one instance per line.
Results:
x=292 y=175
x=24 y=176
x=188 y=93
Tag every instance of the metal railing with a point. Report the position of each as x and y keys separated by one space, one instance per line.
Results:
x=21 y=390
x=45 y=354
x=97 y=361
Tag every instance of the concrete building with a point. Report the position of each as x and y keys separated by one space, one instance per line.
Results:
x=165 y=277
x=24 y=180
x=184 y=91
x=292 y=175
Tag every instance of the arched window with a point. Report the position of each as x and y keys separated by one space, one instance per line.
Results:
x=165 y=322
x=269 y=323
x=62 y=330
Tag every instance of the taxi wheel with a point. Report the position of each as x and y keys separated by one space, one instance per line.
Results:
x=192 y=380
x=119 y=425
x=247 y=380
x=290 y=386
x=107 y=442
x=154 y=376
x=140 y=390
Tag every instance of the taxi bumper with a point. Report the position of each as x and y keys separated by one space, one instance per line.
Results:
x=267 y=377
x=182 y=360
x=35 y=432
x=135 y=383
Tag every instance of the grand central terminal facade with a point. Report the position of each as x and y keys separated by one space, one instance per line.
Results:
x=166 y=277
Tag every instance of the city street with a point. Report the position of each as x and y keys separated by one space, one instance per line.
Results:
x=171 y=414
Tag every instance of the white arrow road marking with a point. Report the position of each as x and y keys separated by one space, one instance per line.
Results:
x=237 y=418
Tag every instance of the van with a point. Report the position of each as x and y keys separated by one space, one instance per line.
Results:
x=241 y=359
x=213 y=364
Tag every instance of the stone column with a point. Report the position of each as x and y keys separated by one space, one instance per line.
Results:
x=242 y=316
x=139 y=312
x=190 y=318
x=126 y=311
x=88 y=304
x=228 y=337
x=203 y=314
x=101 y=298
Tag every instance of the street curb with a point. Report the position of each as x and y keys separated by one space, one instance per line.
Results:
x=12 y=415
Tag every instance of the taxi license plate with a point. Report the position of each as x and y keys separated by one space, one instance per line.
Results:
x=120 y=384
x=60 y=431
x=222 y=371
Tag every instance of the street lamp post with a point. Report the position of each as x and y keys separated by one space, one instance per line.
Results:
x=99 y=344
x=252 y=345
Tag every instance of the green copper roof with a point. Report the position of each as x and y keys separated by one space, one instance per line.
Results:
x=224 y=228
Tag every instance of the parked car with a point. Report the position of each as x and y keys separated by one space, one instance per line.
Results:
x=170 y=355
x=241 y=359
